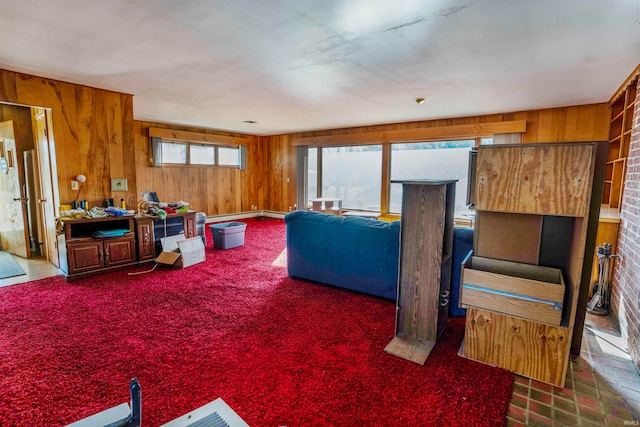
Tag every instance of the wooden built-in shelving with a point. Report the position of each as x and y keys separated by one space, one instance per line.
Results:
x=622 y=108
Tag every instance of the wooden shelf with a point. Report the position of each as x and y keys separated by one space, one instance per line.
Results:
x=622 y=114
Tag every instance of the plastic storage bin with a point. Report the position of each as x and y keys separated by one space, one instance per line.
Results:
x=228 y=235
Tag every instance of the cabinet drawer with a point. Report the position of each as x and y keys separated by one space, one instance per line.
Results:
x=523 y=290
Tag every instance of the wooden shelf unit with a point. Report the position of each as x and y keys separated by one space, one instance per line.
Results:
x=426 y=249
x=532 y=222
x=82 y=254
x=622 y=110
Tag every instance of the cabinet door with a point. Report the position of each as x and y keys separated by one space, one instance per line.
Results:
x=118 y=251
x=543 y=179
x=190 y=226
x=145 y=239
x=85 y=256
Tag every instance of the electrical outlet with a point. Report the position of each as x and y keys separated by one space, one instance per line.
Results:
x=118 y=184
x=75 y=185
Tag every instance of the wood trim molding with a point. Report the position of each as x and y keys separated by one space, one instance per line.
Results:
x=207 y=138
x=473 y=130
x=635 y=73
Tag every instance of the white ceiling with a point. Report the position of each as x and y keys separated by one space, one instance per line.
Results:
x=294 y=65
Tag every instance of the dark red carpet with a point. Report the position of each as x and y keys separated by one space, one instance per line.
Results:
x=278 y=351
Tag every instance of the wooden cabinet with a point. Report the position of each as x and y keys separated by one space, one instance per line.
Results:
x=145 y=239
x=150 y=229
x=622 y=109
x=100 y=253
x=83 y=252
x=522 y=282
x=426 y=246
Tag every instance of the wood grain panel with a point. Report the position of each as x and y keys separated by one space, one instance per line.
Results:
x=526 y=347
x=519 y=179
x=128 y=149
x=53 y=98
x=511 y=237
x=421 y=253
x=180 y=135
x=98 y=161
x=472 y=130
x=114 y=137
x=8 y=89
x=29 y=89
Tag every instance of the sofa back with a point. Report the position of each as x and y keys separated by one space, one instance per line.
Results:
x=350 y=252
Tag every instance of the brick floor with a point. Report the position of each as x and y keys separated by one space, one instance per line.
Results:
x=602 y=386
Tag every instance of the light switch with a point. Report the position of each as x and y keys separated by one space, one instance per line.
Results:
x=74 y=185
x=118 y=184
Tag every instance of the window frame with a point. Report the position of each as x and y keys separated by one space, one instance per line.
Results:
x=188 y=163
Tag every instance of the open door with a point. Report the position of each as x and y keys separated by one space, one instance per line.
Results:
x=14 y=231
x=46 y=165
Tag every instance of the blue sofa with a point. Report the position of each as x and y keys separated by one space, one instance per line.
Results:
x=462 y=244
x=355 y=253
x=358 y=253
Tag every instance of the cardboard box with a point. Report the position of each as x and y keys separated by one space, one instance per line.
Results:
x=180 y=252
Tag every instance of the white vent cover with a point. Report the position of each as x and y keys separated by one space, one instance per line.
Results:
x=213 y=414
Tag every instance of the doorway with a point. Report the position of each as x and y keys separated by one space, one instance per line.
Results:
x=27 y=187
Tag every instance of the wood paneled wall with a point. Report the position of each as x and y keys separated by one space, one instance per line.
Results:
x=95 y=135
x=281 y=176
x=213 y=190
x=565 y=124
x=92 y=133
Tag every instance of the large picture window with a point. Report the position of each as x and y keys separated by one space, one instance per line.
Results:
x=430 y=160
x=353 y=174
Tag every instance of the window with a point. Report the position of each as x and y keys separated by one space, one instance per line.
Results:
x=174 y=152
x=430 y=160
x=353 y=174
x=202 y=154
x=228 y=156
x=167 y=152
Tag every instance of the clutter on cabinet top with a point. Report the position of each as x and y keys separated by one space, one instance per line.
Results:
x=66 y=212
x=160 y=209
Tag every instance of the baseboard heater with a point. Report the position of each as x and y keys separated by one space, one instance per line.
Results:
x=213 y=414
